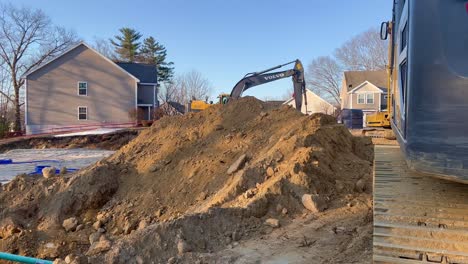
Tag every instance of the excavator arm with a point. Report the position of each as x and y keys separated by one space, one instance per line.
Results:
x=257 y=78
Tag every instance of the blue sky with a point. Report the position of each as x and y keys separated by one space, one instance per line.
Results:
x=226 y=39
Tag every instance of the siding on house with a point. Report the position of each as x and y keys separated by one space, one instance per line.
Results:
x=315 y=104
x=366 y=89
x=52 y=91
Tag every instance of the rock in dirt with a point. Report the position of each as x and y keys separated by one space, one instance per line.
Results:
x=339 y=185
x=129 y=226
x=250 y=193
x=270 y=171
x=94 y=237
x=172 y=260
x=236 y=236
x=97 y=225
x=183 y=247
x=49 y=250
x=314 y=203
x=360 y=185
x=275 y=223
x=59 y=261
x=70 y=224
x=99 y=246
x=74 y=259
x=238 y=164
x=143 y=224
x=48 y=172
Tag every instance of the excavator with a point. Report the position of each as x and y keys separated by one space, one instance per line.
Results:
x=421 y=186
x=258 y=78
x=199 y=105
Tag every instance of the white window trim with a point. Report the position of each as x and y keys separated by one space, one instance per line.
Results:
x=78 y=86
x=367 y=98
x=78 y=112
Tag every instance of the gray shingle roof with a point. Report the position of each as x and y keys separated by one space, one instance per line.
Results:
x=146 y=73
x=177 y=106
x=355 y=78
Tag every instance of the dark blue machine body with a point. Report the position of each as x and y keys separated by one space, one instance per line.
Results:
x=431 y=85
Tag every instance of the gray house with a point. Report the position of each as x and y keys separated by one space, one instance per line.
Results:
x=82 y=89
x=365 y=90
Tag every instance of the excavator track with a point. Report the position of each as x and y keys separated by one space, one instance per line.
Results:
x=417 y=218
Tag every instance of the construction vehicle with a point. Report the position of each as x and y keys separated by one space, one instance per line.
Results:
x=257 y=78
x=199 y=105
x=421 y=187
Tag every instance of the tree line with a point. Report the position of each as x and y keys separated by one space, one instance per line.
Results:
x=363 y=52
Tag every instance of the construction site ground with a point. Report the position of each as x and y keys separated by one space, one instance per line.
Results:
x=240 y=183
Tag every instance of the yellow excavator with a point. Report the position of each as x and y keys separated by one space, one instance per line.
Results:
x=421 y=186
x=199 y=105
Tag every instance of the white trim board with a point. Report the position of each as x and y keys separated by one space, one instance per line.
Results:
x=364 y=84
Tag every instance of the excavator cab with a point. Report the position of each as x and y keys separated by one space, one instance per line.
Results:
x=223 y=98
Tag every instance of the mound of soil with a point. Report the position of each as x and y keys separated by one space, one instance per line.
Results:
x=189 y=185
x=110 y=141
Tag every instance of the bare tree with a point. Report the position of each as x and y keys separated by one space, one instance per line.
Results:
x=170 y=91
x=185 y=87
x=104 y=47
x=196 y=86
x=364 y=52
x=324 y=78
x=27 y=40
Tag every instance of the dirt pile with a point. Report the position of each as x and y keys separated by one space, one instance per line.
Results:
x=110 y=141
x=189 y=185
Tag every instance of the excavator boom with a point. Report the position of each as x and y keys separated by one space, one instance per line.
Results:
x=257 y=78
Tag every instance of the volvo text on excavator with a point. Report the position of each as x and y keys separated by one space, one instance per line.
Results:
x=258 y=78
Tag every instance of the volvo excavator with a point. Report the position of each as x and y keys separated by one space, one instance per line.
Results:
x=421 y=186
x=257 y=78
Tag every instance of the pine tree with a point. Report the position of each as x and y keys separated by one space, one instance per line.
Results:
x=155 y=53
x=127 y=44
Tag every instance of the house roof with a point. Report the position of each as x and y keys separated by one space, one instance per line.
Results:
x=308 y=91
x=354 y=78
x=72 y=48
x=146 y=73
x=365 y=83
x=179 y=107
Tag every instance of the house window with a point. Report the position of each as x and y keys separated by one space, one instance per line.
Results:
x=361 y=99
x=82 y=88
x=366 y=98
x=82 y=113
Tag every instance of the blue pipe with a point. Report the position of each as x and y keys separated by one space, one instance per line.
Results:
x=10 y=161
x=22 y=259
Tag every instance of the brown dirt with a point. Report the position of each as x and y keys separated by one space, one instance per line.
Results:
x=110 y=141
x=172 y=181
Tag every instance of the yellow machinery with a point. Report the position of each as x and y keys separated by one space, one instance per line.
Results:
x=382 y=118
x=199 y=105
